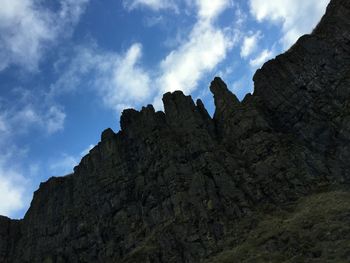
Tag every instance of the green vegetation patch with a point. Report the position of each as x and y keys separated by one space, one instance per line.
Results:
x=317 y=229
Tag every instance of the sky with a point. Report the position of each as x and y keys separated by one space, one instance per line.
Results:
x=69 y=67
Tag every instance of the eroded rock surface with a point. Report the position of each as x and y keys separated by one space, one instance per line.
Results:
x=172 y=186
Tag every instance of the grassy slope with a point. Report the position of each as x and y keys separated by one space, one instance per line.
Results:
x=315 y=229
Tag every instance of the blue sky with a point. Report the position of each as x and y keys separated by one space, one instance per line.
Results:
x=69 y=67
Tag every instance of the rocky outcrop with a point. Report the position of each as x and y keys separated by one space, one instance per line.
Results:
x=9 y=235
x=173 y=186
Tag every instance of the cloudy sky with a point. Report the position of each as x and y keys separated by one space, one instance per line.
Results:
x=69 y=67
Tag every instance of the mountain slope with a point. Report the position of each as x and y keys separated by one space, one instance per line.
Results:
x=314 y=229
x=180 y=186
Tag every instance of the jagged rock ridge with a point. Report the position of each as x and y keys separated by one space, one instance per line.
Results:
x=172 y=186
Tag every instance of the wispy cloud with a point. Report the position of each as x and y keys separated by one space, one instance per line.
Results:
x=297 y=17
x=32 y=110
x=122 y=81
x=27 y=29
x=17 y=119
x=12 y=192
x=209 y=9
x=155 y=5
x=183 y=67
x=261 y=58
x=128 y=83
x=118 y=78
x=14 y=187
x=250 y=44
x=205 y=47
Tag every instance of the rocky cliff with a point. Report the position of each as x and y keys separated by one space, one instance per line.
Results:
x=264 y=180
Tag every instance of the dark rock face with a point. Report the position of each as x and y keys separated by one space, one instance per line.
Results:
x=172 y=186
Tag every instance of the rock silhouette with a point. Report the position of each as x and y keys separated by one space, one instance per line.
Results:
x=181 y=186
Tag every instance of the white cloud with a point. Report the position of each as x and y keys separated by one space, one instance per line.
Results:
x=182 y=68
x=70 y=12
x=297 y=17
x=31 y=110
x=240 y=16
x=250 y=44
x=117 y=78
x=209 y=9
x=121 y=80
x=19 y=119
x=14 y=188
x=152 y=4
x=261 y=58
x=26 y=29
x=127 y=83
x=12 y=192
x=53 y=120
x=203 y=50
